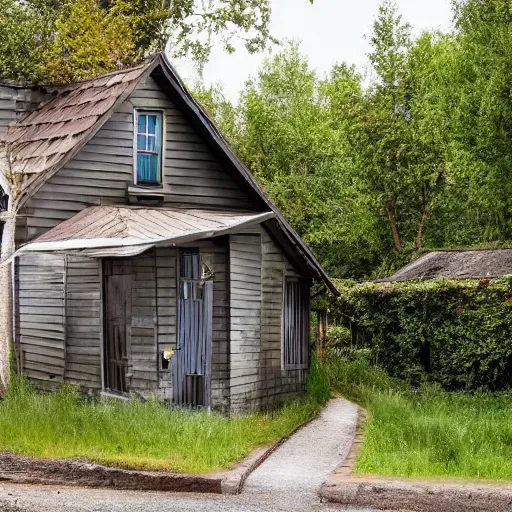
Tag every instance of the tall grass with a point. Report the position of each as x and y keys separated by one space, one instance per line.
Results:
x=138 y=435
x=426 y=432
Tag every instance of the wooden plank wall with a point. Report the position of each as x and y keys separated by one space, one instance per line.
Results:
x=220 y=400
x=40 y=283
x=84 y=327
x=166 y=311
x=246 y=303
x=278 y=383
x=102 y=171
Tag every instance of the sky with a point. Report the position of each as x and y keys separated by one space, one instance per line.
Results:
x=329 y=30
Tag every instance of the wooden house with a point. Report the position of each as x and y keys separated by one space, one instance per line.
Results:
x=148 y=260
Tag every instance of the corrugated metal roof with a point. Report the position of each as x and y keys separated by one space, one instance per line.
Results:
x=463 y=264
x=102 y=231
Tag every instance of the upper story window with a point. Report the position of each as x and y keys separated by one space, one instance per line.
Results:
x=149 y=147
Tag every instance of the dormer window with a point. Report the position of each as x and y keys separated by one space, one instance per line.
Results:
x=149 y=129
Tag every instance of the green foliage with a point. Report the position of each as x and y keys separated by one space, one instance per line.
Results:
x=426 y=432
x=370 y=173
x=142 y=435
x=318 y=385
x=338 y=336
x=65 y=40
x=88 y=42
x=456 y=333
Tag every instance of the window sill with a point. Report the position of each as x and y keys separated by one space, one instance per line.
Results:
x=157 y=190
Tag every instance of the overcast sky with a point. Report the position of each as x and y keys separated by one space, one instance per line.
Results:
x=330 y=31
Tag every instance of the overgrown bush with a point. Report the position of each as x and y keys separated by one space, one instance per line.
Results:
x=457 y=333
x=338 y=336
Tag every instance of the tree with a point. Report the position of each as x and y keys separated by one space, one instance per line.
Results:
x=399 y=160
x=43 y=40
x=283 y=128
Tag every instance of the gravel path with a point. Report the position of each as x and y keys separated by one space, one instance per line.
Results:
x=287 y=481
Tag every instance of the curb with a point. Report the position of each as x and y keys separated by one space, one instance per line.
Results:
x=381 y=493
x=23 y=470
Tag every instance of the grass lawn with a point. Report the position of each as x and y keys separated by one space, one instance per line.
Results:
x=141 y=435
x=429 y=433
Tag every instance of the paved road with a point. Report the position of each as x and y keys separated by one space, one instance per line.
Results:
x=288 y=481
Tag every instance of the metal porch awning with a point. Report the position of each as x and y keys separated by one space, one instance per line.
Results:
x=123 y=231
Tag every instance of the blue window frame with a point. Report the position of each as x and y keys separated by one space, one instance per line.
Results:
x=149 y=147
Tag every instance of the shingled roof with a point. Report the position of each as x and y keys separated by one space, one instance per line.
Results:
x=468 y=264
x=52 y=133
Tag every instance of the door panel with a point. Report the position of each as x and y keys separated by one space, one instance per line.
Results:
x=192 y=362
x=117 y=330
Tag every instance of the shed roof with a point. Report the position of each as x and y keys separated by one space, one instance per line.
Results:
x=463 y=264
x=102 y=231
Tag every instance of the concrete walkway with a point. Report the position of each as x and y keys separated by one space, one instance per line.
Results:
x=300 y=466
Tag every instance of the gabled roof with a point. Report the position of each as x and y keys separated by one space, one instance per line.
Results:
x=463 y=264
x=47 y=138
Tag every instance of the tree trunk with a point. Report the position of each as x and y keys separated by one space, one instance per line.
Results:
x=394 y=228
x=6 y=300
x=419 y=234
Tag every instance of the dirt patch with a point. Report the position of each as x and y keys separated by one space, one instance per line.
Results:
x=417 y=496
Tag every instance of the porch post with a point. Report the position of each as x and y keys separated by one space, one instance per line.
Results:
x=321 y=333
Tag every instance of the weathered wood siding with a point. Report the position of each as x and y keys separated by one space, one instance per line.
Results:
x=278 y=383
x=103 y=170
x=84 y=326
x=40 y=281
x=245 y=302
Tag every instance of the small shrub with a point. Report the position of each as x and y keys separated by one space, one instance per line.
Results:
x=338 y=337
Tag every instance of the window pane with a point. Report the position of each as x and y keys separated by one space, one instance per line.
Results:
x=147 y=168
x=190 y=265
x=142 y=123
x=152 y=124
x=152 y=144
x=141 y=142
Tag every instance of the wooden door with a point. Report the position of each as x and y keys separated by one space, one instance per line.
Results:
x=117 y=328
x=192 y=362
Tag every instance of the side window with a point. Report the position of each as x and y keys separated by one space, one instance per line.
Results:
x=149 y=134
x=295 y=336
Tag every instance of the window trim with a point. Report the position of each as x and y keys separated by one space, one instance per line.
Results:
x=145 y=111
x=304 y=365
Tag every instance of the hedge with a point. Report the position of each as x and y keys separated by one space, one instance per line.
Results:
x=456 y=333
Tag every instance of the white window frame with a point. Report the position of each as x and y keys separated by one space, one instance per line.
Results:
x=144 y=111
